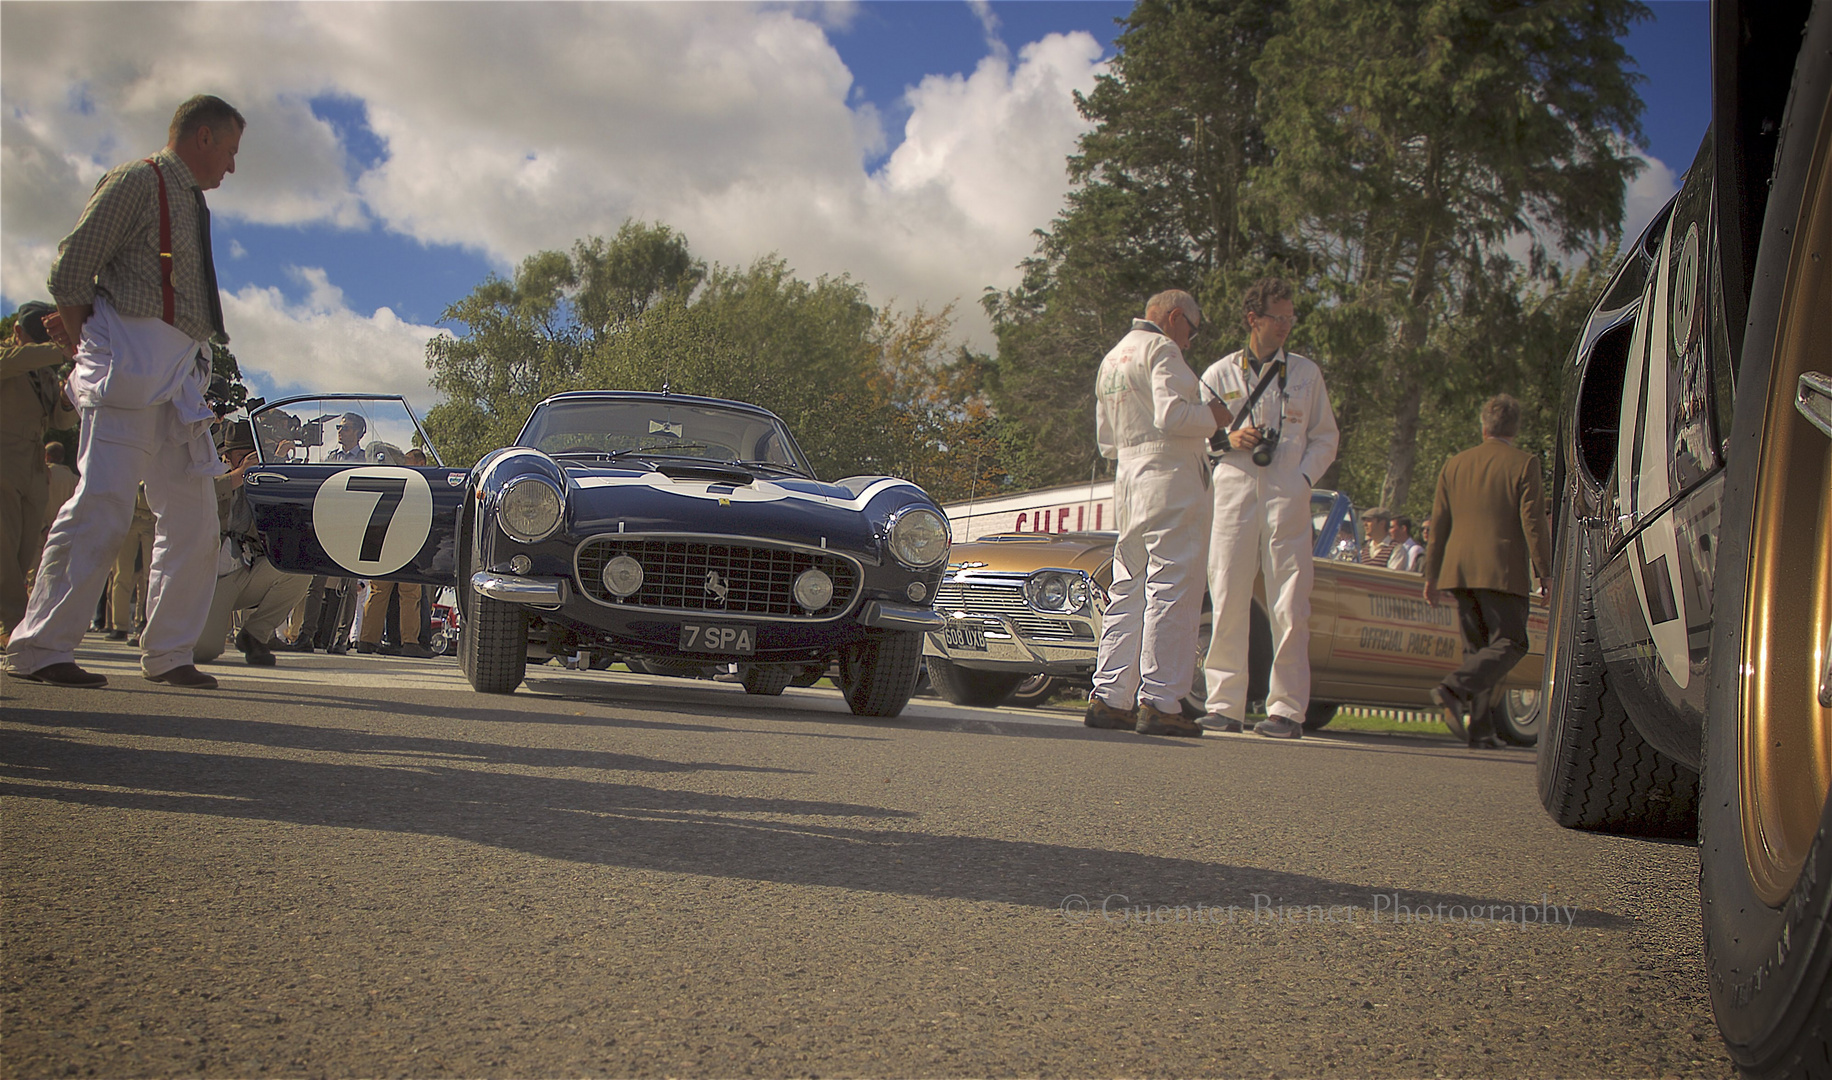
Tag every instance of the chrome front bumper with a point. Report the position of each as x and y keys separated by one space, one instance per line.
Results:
x=514 y=589
x=1009 y=650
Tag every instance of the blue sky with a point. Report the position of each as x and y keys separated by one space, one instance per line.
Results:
x=912 y=144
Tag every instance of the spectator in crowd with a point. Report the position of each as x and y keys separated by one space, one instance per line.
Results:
x=32 y=401
x=1407 y=552
x=246 y=581
x=136 y=285
x=1380 y=536
x=1262 y=522
x=1488 y=520
x=375 y=614
x=1149 y=418
x=416 y=457
x=131 y=572
x=60 y=482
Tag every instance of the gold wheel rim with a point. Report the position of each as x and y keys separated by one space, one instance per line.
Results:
x=1785 y=735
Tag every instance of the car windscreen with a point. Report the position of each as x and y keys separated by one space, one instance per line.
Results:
x=662 y=429
x=312 y=431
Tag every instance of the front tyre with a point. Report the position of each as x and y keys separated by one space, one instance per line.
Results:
x=494 y=643
x=965 y=686
x=878 y=674
x=1518 y=716
x=1318 y=714
x=1764 y=861
x=766 y=680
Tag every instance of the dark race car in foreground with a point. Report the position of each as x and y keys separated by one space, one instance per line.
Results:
x=661 y=529
x=1689 y=657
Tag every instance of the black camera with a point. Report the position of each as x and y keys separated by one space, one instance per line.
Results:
x=277 y=427
x=1269 y=442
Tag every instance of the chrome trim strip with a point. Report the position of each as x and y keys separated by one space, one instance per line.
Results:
x=890 y=617
x=514 y=589
x=1813 y=397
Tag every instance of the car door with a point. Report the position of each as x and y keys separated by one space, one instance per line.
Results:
x=336 y=492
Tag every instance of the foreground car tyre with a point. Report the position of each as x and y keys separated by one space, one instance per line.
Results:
x=878 y=675
x=766 y=680
x=1765 y=866
x=965 y=686
x=1595 y=770
x=494 y=645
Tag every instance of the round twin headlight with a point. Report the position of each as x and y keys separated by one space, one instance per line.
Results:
x=919 y=538
x=813 y=590
x=622 y=575
x=529 y=508
x=1060 y=592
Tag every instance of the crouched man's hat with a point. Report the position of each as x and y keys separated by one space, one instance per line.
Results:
x=31 y=315
x=238 y=435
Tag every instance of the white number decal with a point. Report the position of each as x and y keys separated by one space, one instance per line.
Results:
x=373 y=519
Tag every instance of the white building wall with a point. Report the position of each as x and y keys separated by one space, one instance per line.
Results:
x=1071 y=508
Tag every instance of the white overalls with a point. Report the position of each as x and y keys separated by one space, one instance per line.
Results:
x=1262 y=525
x=1149 y=417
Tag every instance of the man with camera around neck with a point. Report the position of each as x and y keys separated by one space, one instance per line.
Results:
x=136 y=289
x=1273 y=453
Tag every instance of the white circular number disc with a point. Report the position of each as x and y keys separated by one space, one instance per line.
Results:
x=380 y=511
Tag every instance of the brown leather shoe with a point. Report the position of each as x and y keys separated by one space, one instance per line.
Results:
x=64 y=674
x=187 y=677
x=1102 y=715
x=1153 y=722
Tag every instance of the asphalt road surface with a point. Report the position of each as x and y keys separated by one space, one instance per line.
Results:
x=356 y=866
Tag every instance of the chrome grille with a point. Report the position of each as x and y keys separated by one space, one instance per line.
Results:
x=987 y=601
x=759 y=579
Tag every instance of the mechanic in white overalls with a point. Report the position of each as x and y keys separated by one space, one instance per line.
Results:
x=1261 y=522
x=1150 y=418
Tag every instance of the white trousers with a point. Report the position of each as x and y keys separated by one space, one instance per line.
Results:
x=266 y=594
x=1148 y=639
x=1261 y=527
x=119 y=449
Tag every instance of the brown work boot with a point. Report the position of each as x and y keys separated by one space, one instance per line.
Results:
x=1153 y=722
x=1102 y=715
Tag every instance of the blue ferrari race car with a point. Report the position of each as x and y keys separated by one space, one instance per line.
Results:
x=668 y=531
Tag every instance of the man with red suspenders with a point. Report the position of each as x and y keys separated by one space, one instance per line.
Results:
x=135 y=284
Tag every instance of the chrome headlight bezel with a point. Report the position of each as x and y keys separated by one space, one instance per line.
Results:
x=904 y=537
x=604 y=575
x=532 y=523
x=813 y=589
x=1058 y=592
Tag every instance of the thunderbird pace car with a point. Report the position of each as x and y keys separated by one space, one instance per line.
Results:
x=658 y=529
x=1689 y=661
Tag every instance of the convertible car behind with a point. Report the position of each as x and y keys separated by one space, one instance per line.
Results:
x=658 y=528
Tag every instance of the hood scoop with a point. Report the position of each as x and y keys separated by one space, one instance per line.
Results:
x=710 y=471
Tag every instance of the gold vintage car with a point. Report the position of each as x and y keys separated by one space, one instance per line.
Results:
x=1024 y=605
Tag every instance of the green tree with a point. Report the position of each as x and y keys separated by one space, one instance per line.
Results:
x=1412 y=141
x=1156 y=204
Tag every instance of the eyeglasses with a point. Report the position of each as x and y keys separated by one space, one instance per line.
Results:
x=1282 y=320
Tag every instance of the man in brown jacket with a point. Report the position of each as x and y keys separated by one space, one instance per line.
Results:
x=1487 y=521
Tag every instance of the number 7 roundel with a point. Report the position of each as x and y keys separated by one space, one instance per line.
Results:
x=372 y=520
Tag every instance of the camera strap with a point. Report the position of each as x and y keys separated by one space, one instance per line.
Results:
x=1275 y=368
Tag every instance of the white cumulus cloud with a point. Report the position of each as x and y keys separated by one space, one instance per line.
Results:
x=511 y=128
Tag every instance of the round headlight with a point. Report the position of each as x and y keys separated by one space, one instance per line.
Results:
x=529 y=509
x=919 y=538
x=622 y=575
x=1056 y=591
x=813 y=590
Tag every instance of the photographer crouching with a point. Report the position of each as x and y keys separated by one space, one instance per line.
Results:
x=246 y=581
